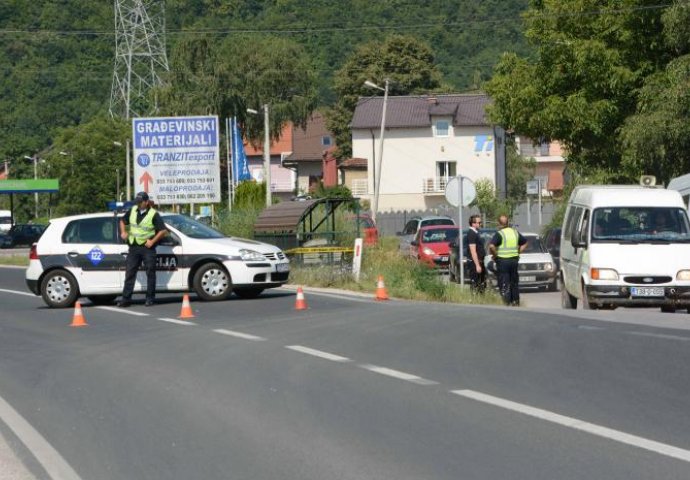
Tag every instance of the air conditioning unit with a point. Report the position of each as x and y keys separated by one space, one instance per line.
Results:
x=647 y=180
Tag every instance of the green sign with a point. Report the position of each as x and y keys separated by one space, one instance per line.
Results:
x=44 y=185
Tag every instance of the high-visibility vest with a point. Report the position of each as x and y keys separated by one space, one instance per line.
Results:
x=140 y=232
x=509 y=243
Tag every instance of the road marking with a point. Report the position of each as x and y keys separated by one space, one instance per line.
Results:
x=318 y=353
x=574 y=423
x=51 y=460
x=17 y=292
x=245 y=336
x=408 y=377
x=659 y=335
x=178 y=322
x=126 y=312
x=590 y=327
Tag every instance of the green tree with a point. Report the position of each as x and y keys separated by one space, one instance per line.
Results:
x=236 y=74
x=592 y=56
x=406 y=61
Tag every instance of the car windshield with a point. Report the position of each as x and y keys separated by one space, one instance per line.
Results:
x=191 y=227
x=534 y=245
x=5 y=221
x=640 y=224
x=439 y=235
x=437 y=221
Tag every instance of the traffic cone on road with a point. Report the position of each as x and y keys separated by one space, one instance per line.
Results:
x=186 y=311
x=78 y=317
x=300 y=302
x=381 y=293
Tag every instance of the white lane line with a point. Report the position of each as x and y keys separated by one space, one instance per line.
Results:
x=659 y=335
x=51 y=460
x=17 y=292
x=399 y=375
x=125 y=311
x=245 y=336
x=318 y=353
x=176 y=321
x=574 y=423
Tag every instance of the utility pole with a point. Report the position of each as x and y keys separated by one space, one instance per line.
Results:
x=139 y=56
x=267 y=156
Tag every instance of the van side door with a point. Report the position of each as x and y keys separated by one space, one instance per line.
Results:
x=569 y=255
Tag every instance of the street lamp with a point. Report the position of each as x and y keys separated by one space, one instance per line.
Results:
x=127 y=167
x=377 y=171
x=35 y=160
x=267 y=152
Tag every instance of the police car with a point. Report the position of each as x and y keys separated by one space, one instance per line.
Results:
x=83 y=255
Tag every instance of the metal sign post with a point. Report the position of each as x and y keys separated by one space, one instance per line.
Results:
x=464 y=196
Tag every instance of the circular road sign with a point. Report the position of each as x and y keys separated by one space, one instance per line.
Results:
x=468 y=191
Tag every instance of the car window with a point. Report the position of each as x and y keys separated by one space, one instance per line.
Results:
x=410 y=227
x=439 y=235
x=90 y=230
x=534 y=245
x=5 y=221
x=191 y=227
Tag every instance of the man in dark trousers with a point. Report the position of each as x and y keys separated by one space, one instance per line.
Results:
x=475 y=262
x=505 y=247
x=141 y=227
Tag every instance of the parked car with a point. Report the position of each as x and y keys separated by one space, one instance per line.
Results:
x=5 y=221
x=536 y=266
x=414 y=224
x=83 y=255
x=552 y=242
x=23 y=235
x=454 y=265
x=431 y=245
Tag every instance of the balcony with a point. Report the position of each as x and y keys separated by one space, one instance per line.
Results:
x=434 y=186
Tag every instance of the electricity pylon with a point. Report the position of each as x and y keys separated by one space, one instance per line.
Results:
x=139 y=56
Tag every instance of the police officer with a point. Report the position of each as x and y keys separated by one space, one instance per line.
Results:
x=505 y=247
x=475 y=265
x=141 y=227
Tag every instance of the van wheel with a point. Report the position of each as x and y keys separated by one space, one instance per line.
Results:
x=586 y=305
x=212 y=282
x=59 y=289
x=568 y=302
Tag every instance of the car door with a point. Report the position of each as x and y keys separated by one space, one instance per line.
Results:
x=91 y=247
x=170 y=274
x=407 y=235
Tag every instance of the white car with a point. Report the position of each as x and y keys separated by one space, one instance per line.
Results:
x=536 y=267
x=83 y=255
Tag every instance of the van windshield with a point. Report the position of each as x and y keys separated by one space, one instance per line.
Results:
x=5 y=221
x=640 y=224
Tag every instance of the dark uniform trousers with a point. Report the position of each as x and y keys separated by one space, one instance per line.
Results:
x=477 y=280
x=508 y=280
x=138 y=254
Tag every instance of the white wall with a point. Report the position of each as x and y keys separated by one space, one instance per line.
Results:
x=410 y=155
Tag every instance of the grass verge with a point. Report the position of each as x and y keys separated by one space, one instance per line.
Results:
x=18 y=260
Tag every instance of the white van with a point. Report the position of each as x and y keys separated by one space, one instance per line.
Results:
x=5 y=221
x=625 y=246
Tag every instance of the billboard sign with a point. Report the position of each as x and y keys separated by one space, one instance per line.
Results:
x=177 y=159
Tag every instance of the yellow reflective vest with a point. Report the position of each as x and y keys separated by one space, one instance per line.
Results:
x=509 y=247
x=140 y=232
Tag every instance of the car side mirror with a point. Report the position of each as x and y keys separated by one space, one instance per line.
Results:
x=576 y=241
x=414 y=243
x=169 y=241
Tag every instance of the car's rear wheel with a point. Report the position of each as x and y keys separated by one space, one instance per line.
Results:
x=102 y=299
x=248 y=292
x=212 y=282
x=59 y=289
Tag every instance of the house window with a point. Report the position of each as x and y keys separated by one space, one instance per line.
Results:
x=442 y=128
x=445 y=170
x=326 y=141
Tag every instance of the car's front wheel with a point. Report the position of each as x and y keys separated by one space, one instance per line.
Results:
x=212 y=282
x=59 y=289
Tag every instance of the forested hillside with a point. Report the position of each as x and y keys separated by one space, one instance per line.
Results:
x=56 y=57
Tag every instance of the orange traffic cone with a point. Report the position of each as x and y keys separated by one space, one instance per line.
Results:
x=381 y=293
x=300 y=302
x=78 y=317
x=186 y=311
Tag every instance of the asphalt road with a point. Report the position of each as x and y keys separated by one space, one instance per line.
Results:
x=348 y=389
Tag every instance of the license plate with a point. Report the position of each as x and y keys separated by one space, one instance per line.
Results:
x=528 y=278
x=444 y=259
x=647 y=291
x=283 y=267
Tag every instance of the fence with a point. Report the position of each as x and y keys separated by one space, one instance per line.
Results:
x=390 y=223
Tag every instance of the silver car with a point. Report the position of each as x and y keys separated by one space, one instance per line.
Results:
x=536 y=267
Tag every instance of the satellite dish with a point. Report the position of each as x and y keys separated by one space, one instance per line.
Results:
x=469 y=193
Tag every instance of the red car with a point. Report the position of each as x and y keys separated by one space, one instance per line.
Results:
x=431 y=245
